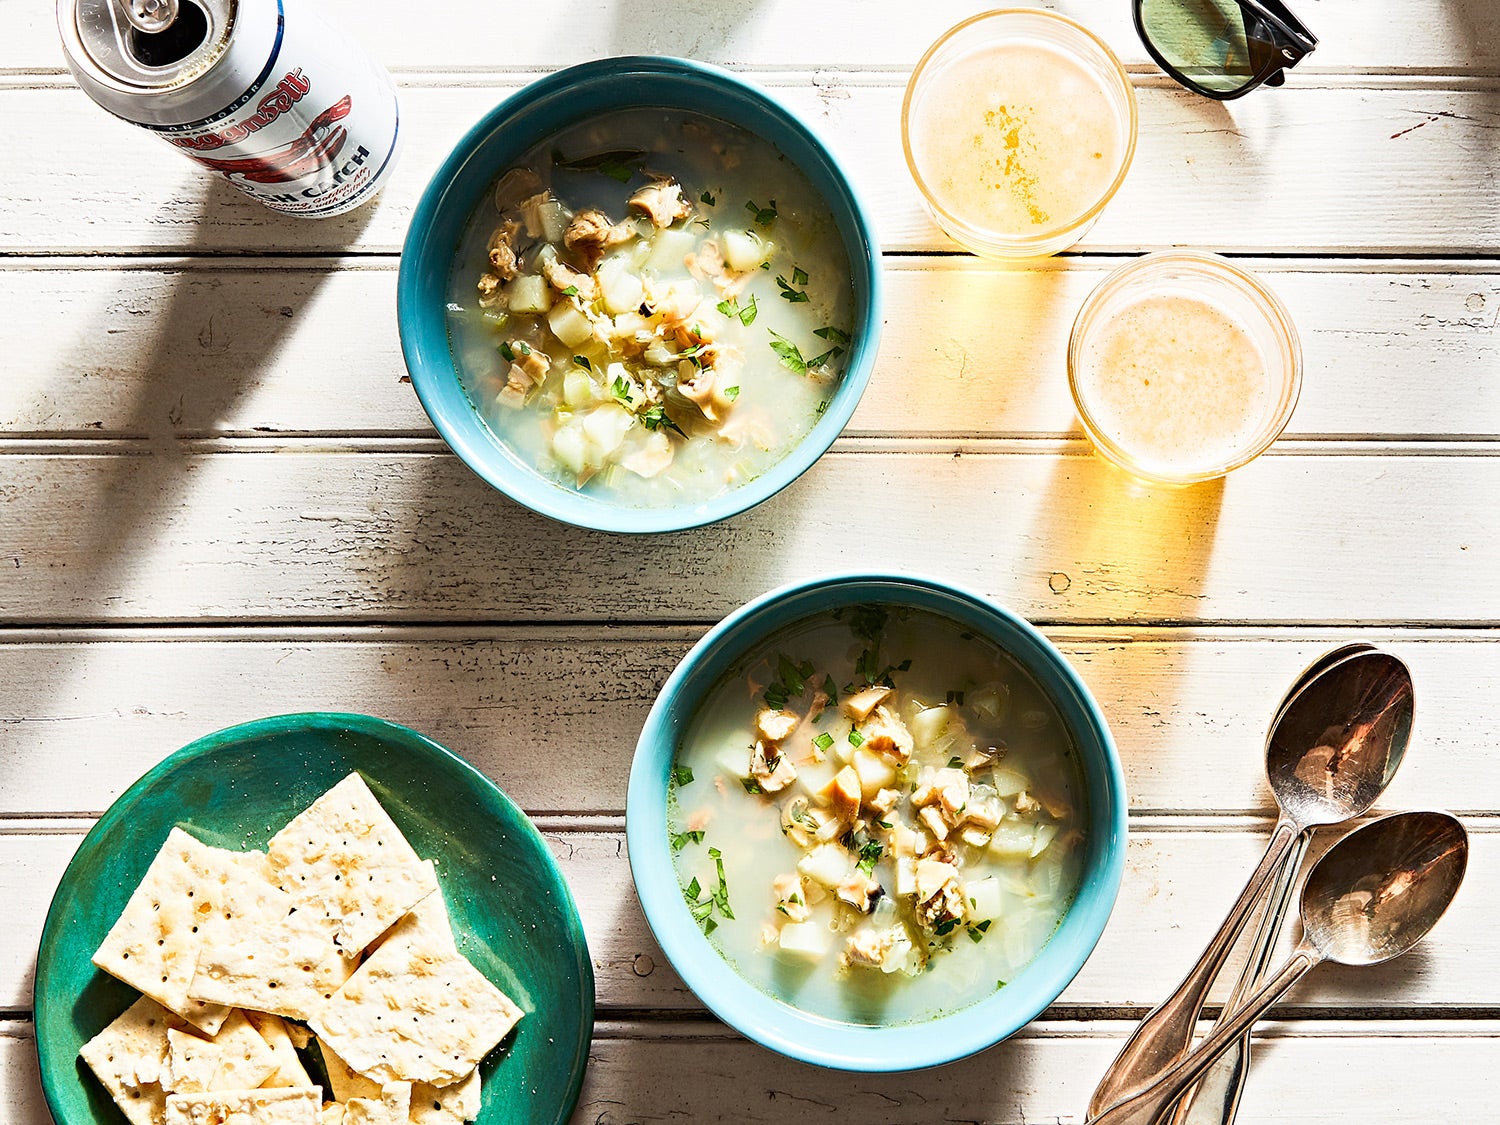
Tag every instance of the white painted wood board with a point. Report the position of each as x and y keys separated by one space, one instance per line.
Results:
x=1311 y=169
x=552 y=713
x=1179 y=882
x=1311 y=1072
x=1392 y=349
x=1428 y=36
x=1348 y=535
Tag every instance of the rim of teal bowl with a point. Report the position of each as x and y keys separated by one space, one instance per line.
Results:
x=816 y=1039
x=42 y=989
x=442 y=213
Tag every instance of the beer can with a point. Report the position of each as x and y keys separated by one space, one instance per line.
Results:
x=267 y=93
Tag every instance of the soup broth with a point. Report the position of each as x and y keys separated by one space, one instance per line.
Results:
x=878 y=818
x=655 y=308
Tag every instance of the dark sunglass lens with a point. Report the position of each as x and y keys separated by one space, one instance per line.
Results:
x=1204 y=40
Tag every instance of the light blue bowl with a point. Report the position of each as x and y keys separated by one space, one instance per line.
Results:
x=466 y=179
x=804 y=1035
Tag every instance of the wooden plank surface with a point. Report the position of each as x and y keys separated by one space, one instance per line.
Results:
x=1314 y=1073
x=1406 y=169
x=552 y=714
x=1349 y=536
x=1456 y=36
x=1392 y=349
x=1179 y=882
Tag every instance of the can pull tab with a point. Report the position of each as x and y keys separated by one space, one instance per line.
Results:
x=149 y=16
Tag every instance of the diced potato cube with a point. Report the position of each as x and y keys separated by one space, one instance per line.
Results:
x=606 y=426
x=827 y=864
x=873 y=771
x=669 y=250
x=745 y=250
x=570 y=447
x=529 y=294
x=734 y=760
x=1009 y=782
x=844 y=793
x=620 y=288
x=569 y=324
x=805 y=939
x=984 y=898
x=928 y=725
x=578 y=388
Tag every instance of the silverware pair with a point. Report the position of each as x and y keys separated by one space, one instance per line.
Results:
x=1334 y=745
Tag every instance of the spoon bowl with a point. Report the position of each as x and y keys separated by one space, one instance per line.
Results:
x=1380 y=889
x=1339 y=740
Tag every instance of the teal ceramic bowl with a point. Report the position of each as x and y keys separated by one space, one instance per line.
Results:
x=511 y=910
x=465 y=180
x=806 y=1035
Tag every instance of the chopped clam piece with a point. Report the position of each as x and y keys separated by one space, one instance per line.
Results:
x=662 y=202
x=887 y=734
x=772 y=768
x=932 y=817
x=862 y=704
x=844 y=793
x=1026 y=804
x=859 y=891
x=775 y=726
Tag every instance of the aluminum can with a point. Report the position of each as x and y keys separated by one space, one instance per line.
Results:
x=267 y=93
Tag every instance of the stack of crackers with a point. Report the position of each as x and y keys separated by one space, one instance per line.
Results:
x=337 y=930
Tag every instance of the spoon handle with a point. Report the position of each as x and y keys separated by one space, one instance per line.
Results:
x=1166 y=1033
x=1215 y=1100
x=1154 y=1103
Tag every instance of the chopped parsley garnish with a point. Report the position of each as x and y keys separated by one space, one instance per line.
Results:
x=681 y=840
x=721 y=894
x=620 y=387
x=570 y=291
x=703 y=908
x=618 y=164
x=791 y=355
x=709 y=198
x=791 y=679
x=869 y=855
x=855 y=738
x=731 y=393
x=956 y=697
x=831 y=690
x=823 y=741
x=977 y=931
x=799 y=275
x=832 y=334
x=946 y=928
x=655 y=417
x=822 y=407
x=682 y=775
x=583 y=362
x=955 y=763
x=745 y=314
x=507 y=353
x=751 y=785
x=524 y=348
x=763 y=216
x=789 y=291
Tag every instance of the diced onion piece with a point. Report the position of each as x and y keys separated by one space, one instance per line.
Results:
x=745 y=250
x=989 y=701
x=1045 y=834
x=657 y=354
x=906 y=875
x=804 y=939
x=1009 y=782
x=984 y=898
x=1013 y=840
x=529 y=294
x=569 y=324
x=650 y=456
x=554 y=219
x=606 y=427
x=620 y=288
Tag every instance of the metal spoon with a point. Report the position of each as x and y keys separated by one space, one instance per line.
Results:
x=1215 y=1099
x=1331 y=753
x=1372 y=896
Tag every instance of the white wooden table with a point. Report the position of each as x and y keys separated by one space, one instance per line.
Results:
x=219 y=499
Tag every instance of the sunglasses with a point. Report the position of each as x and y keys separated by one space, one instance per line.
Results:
x=1223 y=48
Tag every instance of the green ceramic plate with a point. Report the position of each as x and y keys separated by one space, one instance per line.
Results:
x=511 y=910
